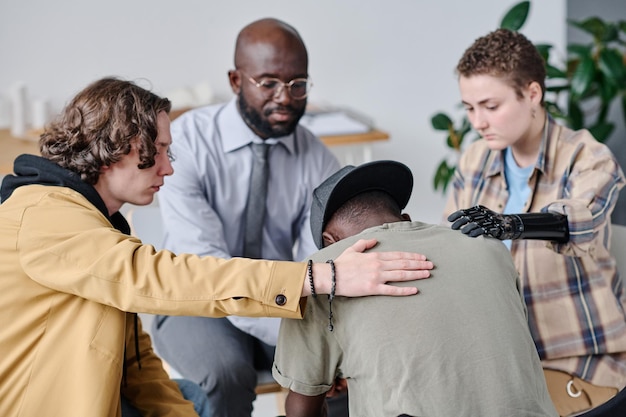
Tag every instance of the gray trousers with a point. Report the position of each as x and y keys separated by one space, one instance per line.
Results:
x=220 y=358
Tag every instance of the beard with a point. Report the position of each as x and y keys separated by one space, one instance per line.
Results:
x=260 y=123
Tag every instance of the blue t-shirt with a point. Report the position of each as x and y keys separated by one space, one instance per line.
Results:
x=517 y=183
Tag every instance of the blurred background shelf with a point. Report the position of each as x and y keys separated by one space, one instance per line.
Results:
x=11 y=147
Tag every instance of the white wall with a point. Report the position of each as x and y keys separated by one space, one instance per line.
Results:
x=392 y=60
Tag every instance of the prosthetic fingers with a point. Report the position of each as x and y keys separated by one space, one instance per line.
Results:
x=479 y=220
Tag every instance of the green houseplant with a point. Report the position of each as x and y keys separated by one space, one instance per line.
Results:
x=579 y=91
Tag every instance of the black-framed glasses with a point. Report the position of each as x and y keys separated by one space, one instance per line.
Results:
x=298 y=88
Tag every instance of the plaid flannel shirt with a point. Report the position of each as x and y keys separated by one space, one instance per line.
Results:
x=574 y=296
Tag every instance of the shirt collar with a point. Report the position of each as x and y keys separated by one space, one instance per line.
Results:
x=495 y=163
x=545 y=155
x=236 y=134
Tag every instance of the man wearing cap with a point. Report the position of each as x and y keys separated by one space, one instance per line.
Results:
x=462 y=348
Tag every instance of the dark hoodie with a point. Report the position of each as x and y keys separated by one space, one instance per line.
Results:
x=35 y=170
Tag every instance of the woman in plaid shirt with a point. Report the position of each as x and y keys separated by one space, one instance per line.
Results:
x=548 y=192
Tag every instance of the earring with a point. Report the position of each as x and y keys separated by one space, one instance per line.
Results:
x=533 y=112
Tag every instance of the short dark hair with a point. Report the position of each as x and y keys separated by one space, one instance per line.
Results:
x=99 y=125
x=506 y=54
x=362 y=205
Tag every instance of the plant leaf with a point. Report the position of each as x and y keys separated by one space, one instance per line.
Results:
x=594 y=26
x=583 y=76
x=515 y=18
x=611 y=34
x=611 y=63
x=602 y=131
x=554 y=72
x=544 y=50
x=624 y=106
x=575 y=115
x=455 y=140
x=441 y=121
x=440 y=179
x=579 y=49
x=451 y=170
x=607 y=90
x=604 y=110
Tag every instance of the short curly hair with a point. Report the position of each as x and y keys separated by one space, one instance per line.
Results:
x=505 y=54
x=99 y=125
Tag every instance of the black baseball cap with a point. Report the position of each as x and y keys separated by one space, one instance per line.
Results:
x=391 y=177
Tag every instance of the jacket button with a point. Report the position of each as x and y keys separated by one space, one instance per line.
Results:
x=281 y=300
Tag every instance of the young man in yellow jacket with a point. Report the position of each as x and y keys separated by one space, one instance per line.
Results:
x=71 y=273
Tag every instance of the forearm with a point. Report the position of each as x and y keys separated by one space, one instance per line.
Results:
x=540 y=226
x=118 y=271
x=298 y=405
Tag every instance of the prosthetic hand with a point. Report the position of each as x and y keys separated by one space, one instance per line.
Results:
x=479 y=220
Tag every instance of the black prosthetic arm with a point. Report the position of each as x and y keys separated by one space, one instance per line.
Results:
x=479 y=220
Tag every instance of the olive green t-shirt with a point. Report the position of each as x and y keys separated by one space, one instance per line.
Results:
x=461 y=347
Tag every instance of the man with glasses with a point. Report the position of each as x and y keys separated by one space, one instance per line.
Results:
x=244 y=177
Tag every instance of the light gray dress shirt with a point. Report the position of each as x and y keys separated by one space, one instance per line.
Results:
x=203 y=204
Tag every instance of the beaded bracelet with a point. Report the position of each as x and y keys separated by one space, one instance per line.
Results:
x=309 y=268
x=331 y=296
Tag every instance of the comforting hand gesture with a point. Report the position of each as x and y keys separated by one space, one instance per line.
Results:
x=479 y=220
x=361 y=273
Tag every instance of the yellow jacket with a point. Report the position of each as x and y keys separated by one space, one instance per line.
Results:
x=67 y=279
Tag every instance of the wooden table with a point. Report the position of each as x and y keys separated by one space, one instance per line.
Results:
x=11 y=147
x=359 y=141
